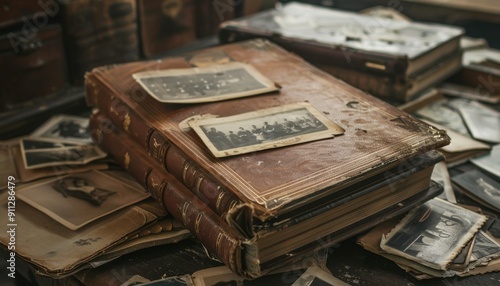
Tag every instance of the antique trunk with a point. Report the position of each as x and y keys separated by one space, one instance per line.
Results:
x=166 y=24
x=99 y=32
x=33 y=65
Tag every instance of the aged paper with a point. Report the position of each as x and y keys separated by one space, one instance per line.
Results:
x=433 y=234
x=78 y=199
x=264 y=129
x=64 y=127
x=39 y=153
x=204 y=84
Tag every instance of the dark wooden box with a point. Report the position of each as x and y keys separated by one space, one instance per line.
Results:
x=32 y=65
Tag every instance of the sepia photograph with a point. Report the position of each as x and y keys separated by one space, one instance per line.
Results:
x=45 y=153
x=64 y=127
x=433 y=234
x=480 y=187
x=204 y=84
x=264 y=129
x=78 y=199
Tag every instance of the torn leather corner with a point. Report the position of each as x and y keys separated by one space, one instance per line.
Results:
x=240 y=218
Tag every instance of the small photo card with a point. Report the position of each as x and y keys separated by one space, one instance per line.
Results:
x=433 y=234
x=204 y=84
x=78 y=199
x=40 y=153
x=490 y=162
x=64 y=127
x=264 y=129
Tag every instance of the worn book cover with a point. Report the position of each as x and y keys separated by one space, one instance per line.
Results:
x=377 y=135
x=307 y=179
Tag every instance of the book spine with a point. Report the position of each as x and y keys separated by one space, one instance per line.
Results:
x=180 y=202
x=218 y=198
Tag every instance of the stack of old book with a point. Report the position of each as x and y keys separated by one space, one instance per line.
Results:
x=393 y=59
x=263 y=157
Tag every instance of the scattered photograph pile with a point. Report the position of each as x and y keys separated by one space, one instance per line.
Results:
x=438 y=239
x=77 y=195
x=63 y=140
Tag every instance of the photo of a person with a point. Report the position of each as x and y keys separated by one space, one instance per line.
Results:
x=65 y=128
x=81 y=188
x=76 y=200
x=71 y=129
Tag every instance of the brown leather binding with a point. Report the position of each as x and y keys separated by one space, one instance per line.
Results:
x=379 y=141
x=169 y=156
x=377 y=135
x=181 y=203
x=214 y=232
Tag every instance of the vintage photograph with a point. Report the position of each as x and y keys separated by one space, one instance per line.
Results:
x=433 y=234
x=78 y=199
x=44 y=153
x=441 y=112
x=489 y=162
x=33 y=144
x=482 y=123
x=64 y=127
x=264 y=129
x=479 y=187
x=204 y=84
